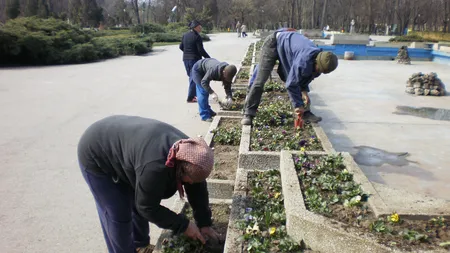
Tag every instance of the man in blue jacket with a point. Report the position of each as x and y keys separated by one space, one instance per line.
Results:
x=192 y=47
x=300 y=62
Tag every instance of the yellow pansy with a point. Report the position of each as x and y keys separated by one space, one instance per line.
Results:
x=277 y=195
x=272 y=230
x=394 y=218
x=302 y=149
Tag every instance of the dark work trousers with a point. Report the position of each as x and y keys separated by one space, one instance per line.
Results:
x=123 y=228
x=268 y=58
x=188 y=64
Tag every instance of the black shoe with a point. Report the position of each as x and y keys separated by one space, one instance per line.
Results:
x=308 y=116
x=208 y=120
x=213 y=114
x=247 y=120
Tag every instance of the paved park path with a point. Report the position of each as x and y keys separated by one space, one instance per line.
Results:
x=45 y=204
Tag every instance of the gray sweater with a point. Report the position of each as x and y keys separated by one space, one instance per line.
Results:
x=211 y=70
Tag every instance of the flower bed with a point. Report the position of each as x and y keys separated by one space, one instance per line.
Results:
x=264 y=223
x=182 y=244
x=226 y=148
x=328 y=196
x=273 y=128
x=329 y=189
x=243 y=76
x=275 y=86
x=238 y=101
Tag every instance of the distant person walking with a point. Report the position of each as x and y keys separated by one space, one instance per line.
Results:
x=244 y=30
x=192 y=47
x=238 y=29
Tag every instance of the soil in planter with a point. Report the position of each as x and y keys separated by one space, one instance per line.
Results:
x=328 y=189
x=241 y=81
x=226 y=149
x=264 y=222
x=179 y=244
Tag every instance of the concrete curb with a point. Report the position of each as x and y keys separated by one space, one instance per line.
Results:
x=311 y=228
x=217 y=188
x=232 y=244
x=263 y=160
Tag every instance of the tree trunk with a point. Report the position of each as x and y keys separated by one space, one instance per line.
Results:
x=299 y=14
x=292 y=13
x=446 y=16
x=313 y=10
x=136 y=10
x=324 y=14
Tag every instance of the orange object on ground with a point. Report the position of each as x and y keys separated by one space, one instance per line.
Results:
x=298 y=123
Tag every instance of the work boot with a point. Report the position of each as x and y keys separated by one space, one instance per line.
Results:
x=308 y=116
x=148 y=249
x=247 y=120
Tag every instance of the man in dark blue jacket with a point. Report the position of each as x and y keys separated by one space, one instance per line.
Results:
x=192 y=47
x=300 y=62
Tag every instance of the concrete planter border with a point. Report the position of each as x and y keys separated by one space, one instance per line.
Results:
x=217 y=188
x=263 y=160
x=232 y=244
x=311 y=228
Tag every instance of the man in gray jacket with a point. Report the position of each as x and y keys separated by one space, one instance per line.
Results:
x=205 y=71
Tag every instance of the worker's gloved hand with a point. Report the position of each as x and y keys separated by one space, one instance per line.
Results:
x=299 y=111
x=215 y=97
x=226 y=103
x=194 y=233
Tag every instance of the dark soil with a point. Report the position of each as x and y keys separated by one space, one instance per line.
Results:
x=220 y=217
x=225 y=162
x=241 y=81
x=225 y=156
x=359 y=219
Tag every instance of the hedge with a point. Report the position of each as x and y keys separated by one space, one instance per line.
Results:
x=50 y=41
x=433 y=36
x=173 y=32
x=409 y=38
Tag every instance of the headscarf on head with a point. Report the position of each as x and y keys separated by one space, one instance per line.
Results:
x=199 y=158
x=326 y=62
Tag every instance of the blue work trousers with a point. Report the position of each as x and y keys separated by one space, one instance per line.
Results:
x=202 y=95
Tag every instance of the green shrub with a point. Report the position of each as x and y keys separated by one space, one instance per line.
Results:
x=410 y=38
x=433 y=36
x=80 y=53
x=50 y=41
x=166 y=37
x=179 y=27
x=148 y=28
